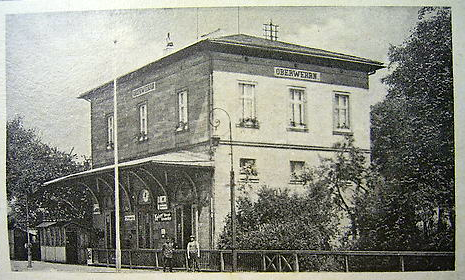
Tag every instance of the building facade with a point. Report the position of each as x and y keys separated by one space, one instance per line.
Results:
x=282 y=106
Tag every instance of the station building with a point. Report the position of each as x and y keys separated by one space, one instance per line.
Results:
x=286 y=105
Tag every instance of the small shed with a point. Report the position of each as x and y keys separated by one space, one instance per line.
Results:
x=64 y=242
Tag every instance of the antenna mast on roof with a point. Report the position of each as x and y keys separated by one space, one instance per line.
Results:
x=270 y=31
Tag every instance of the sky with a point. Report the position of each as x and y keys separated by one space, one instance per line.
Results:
x=51 y=58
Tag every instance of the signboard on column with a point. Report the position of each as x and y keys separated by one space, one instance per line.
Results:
x=162 y=202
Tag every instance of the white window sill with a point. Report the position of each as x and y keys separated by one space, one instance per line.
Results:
x=243 y=178
x=343 y=132
x=300 y=128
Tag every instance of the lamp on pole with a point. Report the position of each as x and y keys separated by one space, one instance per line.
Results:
x=215 y=123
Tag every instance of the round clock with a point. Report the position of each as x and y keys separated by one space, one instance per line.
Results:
x=145 y=196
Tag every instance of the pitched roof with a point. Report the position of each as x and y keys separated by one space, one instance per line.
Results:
x=261 y=43
x=241 y=43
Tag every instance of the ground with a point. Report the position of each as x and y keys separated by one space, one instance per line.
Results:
x=52 y=267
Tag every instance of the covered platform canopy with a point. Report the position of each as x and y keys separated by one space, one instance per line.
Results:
x=166 y=194
x=182 y=158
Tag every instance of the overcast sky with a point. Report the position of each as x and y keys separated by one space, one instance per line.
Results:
x=51 y=58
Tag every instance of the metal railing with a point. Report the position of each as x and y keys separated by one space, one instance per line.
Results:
x=285 y=260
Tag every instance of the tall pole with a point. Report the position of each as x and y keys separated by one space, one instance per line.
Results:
x=117 y=216
x=197 y=22
x=233 y=202
x=215 y=123
x=238 y=22
x=29 y=253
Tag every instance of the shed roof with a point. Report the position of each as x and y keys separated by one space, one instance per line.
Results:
x=47 y=224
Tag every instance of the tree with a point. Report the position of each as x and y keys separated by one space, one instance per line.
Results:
x=413 y=139
x=334 y=190
x=345 y=176
x=279 y=219
x=30 y=163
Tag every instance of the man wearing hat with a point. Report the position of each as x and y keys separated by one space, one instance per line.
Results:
x=167 y=250
x=193 y=254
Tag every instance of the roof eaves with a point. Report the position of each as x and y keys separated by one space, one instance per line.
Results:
x=355 y=59
x=174 y=55
x=89 y=92
x=159 y=160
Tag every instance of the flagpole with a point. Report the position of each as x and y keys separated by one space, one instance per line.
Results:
x=117 y=214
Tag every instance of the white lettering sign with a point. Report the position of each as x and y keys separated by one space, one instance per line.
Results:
x=162 y=202
x=162 y=217
x=296 y=74
x=130 y=218
x=143 y=89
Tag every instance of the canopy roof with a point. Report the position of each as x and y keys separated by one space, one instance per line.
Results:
x=182 y=158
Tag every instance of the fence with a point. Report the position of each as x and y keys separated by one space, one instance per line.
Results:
x=286 y=260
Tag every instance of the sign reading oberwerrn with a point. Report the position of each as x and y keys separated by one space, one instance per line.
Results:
x=296 y=74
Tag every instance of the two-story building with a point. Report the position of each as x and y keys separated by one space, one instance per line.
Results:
x=287 y=105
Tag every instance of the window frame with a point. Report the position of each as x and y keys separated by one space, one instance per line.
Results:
x=293 y=178
x=337 y=128
x=302 y=113
x=183 y=111
x=245 y=177
x=110 y=131
x=143 y=126
x=245 y=120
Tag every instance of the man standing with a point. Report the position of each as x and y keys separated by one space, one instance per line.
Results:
x=167 y=250
x=193 y=254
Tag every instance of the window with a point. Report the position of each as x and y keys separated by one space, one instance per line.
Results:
x=248 y=114
x=110 y=133
x=297 y=108
x=182 y=111
x=143 y=122
x=297 y=168
x=341 y=112
x=248 y=170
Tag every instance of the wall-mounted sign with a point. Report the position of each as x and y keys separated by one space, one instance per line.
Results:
x=143 y=89
x=162 y=217
x=128 y=218
x=296 y=74
x=89 y=256
x=162 y=202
